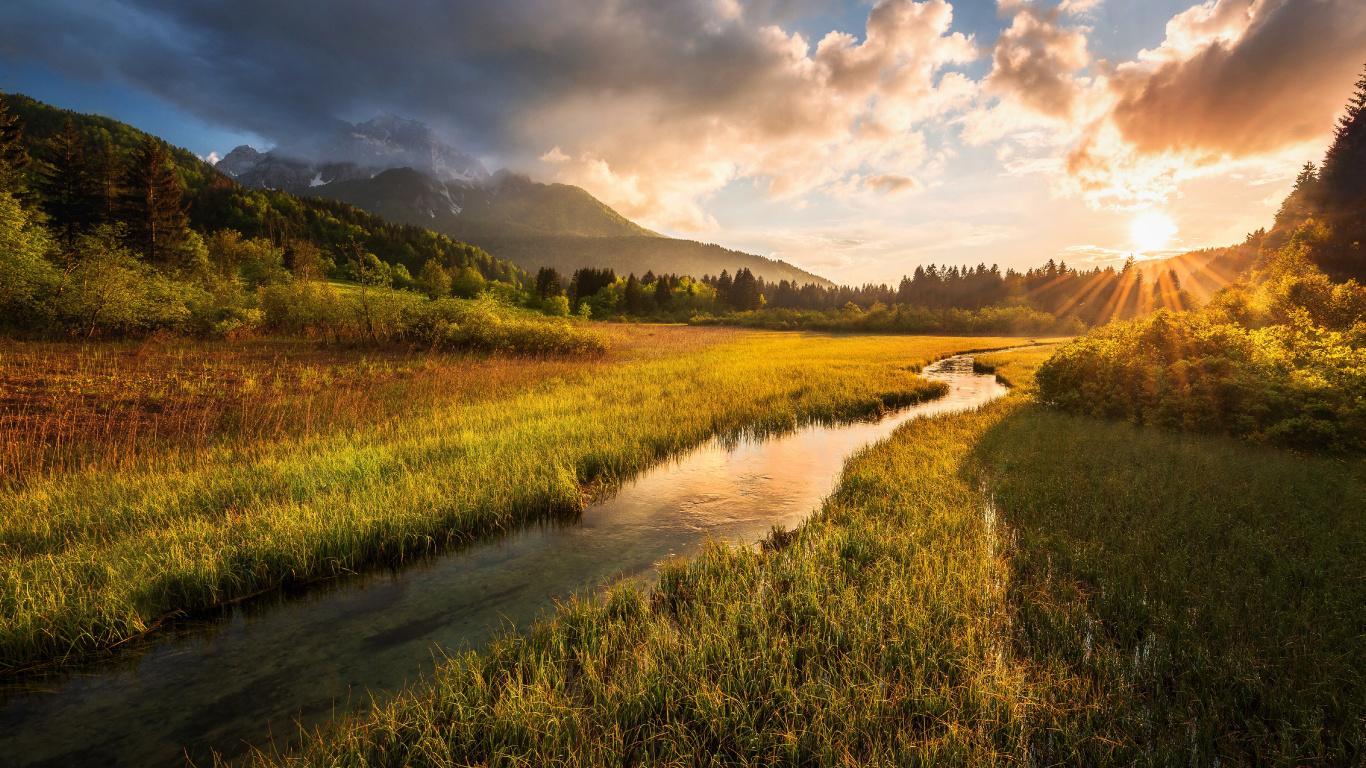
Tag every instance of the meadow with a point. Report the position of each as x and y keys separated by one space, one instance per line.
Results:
x=326 y=466
x=1007 y=586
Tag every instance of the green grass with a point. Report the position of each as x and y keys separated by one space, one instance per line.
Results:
x=1007 y=586
x=90 y=558
x=1189 y=598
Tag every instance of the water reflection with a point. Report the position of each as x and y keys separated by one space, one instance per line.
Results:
x=256 y=669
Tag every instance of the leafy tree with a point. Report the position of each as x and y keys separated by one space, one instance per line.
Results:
x=24 y=274
x=372 y=271
x=304 y=260
x=153 y=204
x=631 y=299
x=403 y=279
x=558 y=306
x=14 y=158
x=469 y=283
x=66 y=186
x=106 y=288
x=433 y=280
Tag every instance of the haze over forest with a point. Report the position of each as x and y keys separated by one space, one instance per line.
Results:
x=855 y=143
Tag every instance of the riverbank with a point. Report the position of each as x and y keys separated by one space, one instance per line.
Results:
x=1006 y=586
x=91 y=557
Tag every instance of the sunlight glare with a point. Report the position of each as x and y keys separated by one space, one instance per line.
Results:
x=1152 y=231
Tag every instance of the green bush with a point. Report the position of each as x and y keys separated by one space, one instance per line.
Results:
x=1283 y=363
x=556 y=306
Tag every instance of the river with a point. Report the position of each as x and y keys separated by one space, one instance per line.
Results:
x=241 y=673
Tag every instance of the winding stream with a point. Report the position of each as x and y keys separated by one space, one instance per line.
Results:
x=258 y=668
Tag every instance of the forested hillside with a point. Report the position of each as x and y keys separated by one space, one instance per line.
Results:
x=538 y=225
x=107 y=231
x=212 y=201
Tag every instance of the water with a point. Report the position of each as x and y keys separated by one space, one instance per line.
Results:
x=236 y=677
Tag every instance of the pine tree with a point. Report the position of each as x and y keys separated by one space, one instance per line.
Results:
x=663 y=293
x=106 y=171
x=14 y=158
x=66 y=187
x=153 y=204
x=1344 y=166
x=632 y=296
x=745 y=293
x=548 y=284
x=723 y=286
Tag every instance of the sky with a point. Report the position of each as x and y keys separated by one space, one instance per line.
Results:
x=854 y=139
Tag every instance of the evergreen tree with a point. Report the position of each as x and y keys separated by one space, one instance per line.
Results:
x=1344 y=166
x=723 y=285
x=632 y=297
x=106 y=173
x=548 y=284
x=745 y=292
x=153 y=204
x=14 y=158
x=663 y=293
x=66 y=187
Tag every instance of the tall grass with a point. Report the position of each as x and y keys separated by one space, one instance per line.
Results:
x=1193 y=600
x=92 y=557
x=1009 y=586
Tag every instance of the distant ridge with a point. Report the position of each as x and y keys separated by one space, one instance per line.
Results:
x=512 y=217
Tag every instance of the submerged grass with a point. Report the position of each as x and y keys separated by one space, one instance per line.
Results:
x=89 y=558
x=1009 y=586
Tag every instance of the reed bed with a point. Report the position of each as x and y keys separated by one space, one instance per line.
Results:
x=90 y=557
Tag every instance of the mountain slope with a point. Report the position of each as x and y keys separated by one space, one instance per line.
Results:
x=217 y=202
x=554 y=225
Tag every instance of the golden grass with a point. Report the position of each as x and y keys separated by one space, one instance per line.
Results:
x=1009 y=586
x=92 y=556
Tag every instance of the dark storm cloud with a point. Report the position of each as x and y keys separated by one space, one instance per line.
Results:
x=284 y=68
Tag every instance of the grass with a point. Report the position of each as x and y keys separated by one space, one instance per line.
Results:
x=1191 y=598
x=1010 y=586
x=92 y=556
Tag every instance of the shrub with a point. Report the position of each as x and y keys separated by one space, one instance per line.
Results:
x=557 y=306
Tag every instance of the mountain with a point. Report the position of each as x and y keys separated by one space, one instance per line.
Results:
x=352 y=152
x=398 y=169
x=217 y=201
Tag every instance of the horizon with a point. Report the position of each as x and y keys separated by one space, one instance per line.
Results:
x=853 y=142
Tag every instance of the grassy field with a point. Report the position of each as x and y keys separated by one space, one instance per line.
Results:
x=95 y=552
x=1009 y=586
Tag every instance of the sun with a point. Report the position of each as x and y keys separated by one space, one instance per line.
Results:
x=1152 y=231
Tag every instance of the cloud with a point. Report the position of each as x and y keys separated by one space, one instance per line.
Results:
x=555 y=156
x=653 y=104
x=657 y=105
x=1035 y=58
x=891 y=183
x=1235 y=83
x=767 y=105
x=1242 y=77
